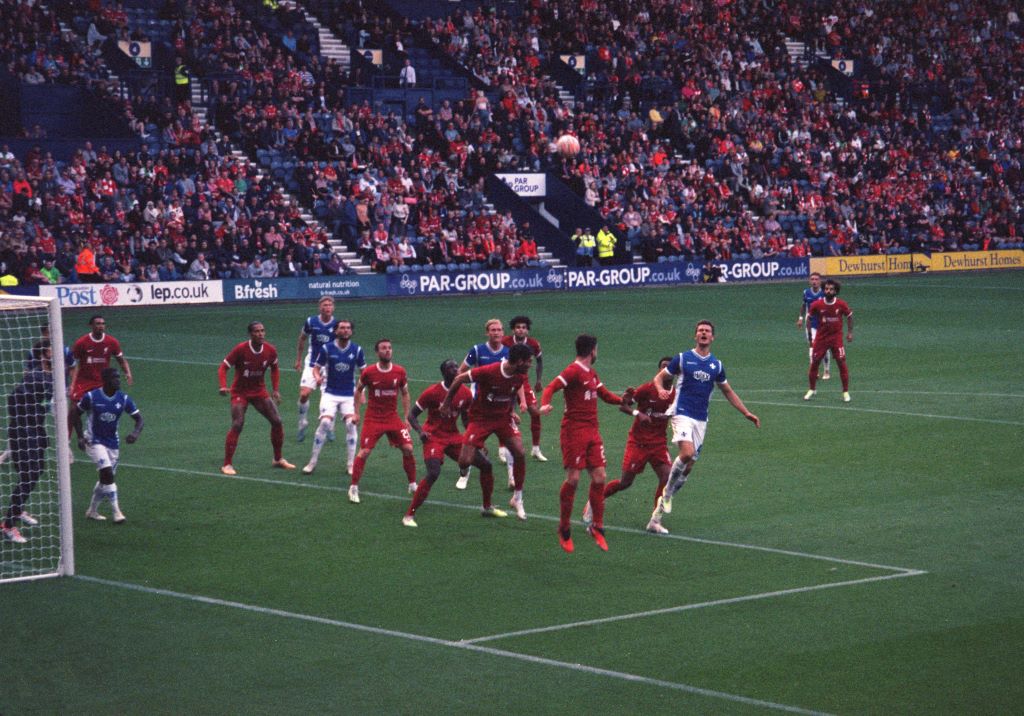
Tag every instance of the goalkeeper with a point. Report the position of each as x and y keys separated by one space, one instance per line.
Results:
x=27 y=408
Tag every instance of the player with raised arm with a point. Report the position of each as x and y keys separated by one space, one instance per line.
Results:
x=582 y=447
x=521 y=334
x=319 y=331
x=440 y=434
x=251 y=360
x=335 y=369
x=829 y=312
x=105 y=406
x=92 y=353
x=27 y=408
x=810 y=323
x=647 y=444
x=491 y=351
x=498 y=387
x=383 y=383
x=699 y=371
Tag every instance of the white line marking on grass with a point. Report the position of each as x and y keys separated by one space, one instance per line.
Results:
x=689 y=607
x=547 y=518
x=803 y=405
x=795 y=391
x=464 y=646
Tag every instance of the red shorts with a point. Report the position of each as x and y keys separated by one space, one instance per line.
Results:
x=639 y=456
x=246 y=398
x=440 y=445
x=398 y=434
x=835 y=345
x=78 y=391
x=582 y=449
x=477 y=432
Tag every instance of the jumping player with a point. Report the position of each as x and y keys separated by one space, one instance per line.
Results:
x=105 y=406
x=335 y=370
x=582 y=447
x=319 y=329
x=646 y=444
x=810 y=323
x=497 y=389
x=829 y=311
x=251 y=360
x=521 y=334
x=383 y=382
x=440 y=434
x=493 y=350
x=699 y=371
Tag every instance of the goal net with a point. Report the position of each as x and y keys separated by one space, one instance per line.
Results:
x=35 y=479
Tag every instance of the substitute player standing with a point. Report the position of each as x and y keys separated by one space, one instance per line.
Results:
x=335 y=369
x=440 y=434
x=319 y=330
x=251 y=360
x=810 y=323
x=830 y=311
x=646 y=444
x=699 y=371
x=521 y=334
x=498 y=387
x=582 y=447
x=383 y=383
x=105 y=407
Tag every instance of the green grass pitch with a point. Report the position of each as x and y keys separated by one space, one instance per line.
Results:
x=845 y=558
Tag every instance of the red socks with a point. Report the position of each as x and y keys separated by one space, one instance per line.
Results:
x=230 y=444
x=566 y=496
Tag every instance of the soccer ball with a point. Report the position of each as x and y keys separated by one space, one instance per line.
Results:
x=568 y=145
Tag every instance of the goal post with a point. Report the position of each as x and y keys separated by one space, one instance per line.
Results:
x=35 y=473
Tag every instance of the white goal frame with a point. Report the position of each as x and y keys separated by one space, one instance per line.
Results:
x=66 y=559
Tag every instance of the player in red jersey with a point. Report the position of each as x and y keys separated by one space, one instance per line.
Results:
x=383 y=382
x=647 y=444
x=498 y=387
x=582 y=447
x=521 y=334
x=830 y=311
x=251 y=360
x=92 y=353
x=440 y=434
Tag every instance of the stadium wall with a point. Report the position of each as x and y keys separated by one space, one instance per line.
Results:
x=427 y=283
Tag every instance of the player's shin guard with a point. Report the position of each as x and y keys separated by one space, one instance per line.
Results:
x=351 y=440
x=98 y=493
x=566 y=496
x=111 y=495
x=535 y=430
x=303 y=412
x=409 y=465
x=277 y=439
x=357 y=469
x=230 y=445
x=486 y=485
x=320 y=438
x=676 y=478
x=844 y=374
x=519 y=474
x=422 y=490
x=597 y=503
x=812 y=375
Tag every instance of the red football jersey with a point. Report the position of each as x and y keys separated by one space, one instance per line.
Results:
x=93 y=356
x=651 y=432
x=382 y=390
x=581 y=388
x=250 y=367
x=430 y=400
x=830 y=317
x=532 y=343
x=496 y=392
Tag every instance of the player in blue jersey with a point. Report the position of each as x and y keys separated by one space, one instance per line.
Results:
x=810 y=323
x=105 y=405
x=699 y=371
x=335 y=371
x=319 y=331
x=493 y=350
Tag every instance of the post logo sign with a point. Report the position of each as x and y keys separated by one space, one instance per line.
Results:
x=134 y=294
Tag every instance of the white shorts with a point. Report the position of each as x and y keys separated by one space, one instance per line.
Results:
x=330 y=405
x=687 y=430
x=811 y=332
x=103 y=456
x=308 y=380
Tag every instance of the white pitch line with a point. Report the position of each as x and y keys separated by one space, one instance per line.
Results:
x=888 y=412
x=689 y=607
x=547 y=518
x=465 y=646
x=795 y=391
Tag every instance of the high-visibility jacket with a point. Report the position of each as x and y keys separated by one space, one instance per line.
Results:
x=180 y=75
x=605 y=244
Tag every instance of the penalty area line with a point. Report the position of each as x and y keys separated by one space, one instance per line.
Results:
x=690 y=607
x=461 y=645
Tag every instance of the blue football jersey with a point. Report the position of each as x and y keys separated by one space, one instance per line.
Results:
x=697 y=377
x=809 y=298
x=339 y=365
x=104 y=413
x=319 y=334
x=481 y=355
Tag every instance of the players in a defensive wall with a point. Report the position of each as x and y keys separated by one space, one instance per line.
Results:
x=383 y=383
